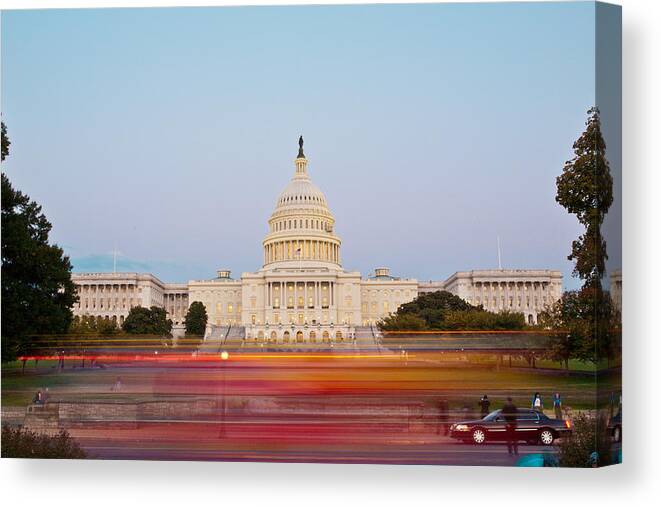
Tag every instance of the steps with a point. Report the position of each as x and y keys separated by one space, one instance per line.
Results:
x=367 y=338
x=214 y=339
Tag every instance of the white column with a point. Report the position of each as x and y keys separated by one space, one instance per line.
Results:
x=317 y=304
x=305 y=298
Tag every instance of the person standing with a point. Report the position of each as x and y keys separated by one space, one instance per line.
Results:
x=443 y=413
x=537 y=404
x=509 y=411
x=484 y=405
x=557 y=406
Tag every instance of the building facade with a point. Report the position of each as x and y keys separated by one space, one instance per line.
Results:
x=526 y=291
x=302 y=294
x=112 y=295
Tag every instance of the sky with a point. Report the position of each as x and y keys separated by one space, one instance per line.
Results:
x=167 y=134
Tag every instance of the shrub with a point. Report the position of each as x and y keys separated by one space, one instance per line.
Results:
x=589 y=444
x=23 y=443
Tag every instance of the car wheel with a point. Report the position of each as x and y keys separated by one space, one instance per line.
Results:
x=479 y=436
x=546 y=437
x=617 y=434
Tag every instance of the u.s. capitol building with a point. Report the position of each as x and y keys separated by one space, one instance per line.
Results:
x=302 y=293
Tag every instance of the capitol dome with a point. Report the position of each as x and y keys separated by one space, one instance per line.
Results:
x=301 y=192
x=301 y=226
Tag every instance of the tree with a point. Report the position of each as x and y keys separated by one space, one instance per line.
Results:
x=37 y=291
x=152 y=320
x=403 y=322
x=196 y=319
x=571 y=316
x=478 y=319
x=443 y=310
x=432 y=306
x=585 y=188
x=5 y=142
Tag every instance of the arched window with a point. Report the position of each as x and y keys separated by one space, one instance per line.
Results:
x=313 y=336
x=325 y=337
x=274 y=336
x=299 y=336
x=338 y=336
x=285 y=337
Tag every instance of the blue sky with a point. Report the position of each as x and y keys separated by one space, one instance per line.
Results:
x=431 y=129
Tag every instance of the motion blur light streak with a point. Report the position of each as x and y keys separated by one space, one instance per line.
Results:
x=348 y=407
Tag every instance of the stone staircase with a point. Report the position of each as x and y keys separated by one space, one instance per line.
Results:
x=234 y=338
x=368 y=338
x=219 y=338
x=214 y=339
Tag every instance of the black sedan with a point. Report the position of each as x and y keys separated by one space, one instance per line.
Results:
x=531 y=427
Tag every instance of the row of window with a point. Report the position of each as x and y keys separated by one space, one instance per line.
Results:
x=387 y=293
x=314 y=224
x=494 y=301
x=84 y=288
x=511 y=285
x=300 y=303
x=302 y=198
x=298 y=336
x=108 y=304
x=385 y=307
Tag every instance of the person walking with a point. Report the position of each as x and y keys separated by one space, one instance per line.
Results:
x=509 y=411
x=557 y=406
x=443 y=413
x=484 y=405
x=537 y=404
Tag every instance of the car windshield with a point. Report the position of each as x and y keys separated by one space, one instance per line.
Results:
x=491 y=416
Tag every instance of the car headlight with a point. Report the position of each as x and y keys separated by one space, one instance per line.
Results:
x=461 y=427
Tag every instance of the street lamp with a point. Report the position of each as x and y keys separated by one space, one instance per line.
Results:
x=224 y=356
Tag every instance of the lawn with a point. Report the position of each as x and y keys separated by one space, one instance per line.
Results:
x=461 y=379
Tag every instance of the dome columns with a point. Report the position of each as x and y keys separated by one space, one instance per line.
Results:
x=301 y=167
x=302 y=249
